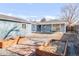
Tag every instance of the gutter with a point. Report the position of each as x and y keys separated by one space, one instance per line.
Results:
x=14 y=21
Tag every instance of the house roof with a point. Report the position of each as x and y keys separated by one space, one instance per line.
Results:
x=53 y=21
x=12 y=19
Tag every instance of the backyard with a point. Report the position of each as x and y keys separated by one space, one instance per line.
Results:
x=30 y=43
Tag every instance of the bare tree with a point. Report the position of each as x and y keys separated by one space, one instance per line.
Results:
x=70 y=13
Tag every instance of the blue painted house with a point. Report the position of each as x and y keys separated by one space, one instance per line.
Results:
x=16 y=25
x=11 y=26
x=49 y=26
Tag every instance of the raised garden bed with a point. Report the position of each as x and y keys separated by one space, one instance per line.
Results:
x=56 y=48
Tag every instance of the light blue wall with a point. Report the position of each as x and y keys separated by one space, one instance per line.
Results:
x=34 y=28
x=28 y=28
x=5 y=26
x=48 y=28
x=63 y=28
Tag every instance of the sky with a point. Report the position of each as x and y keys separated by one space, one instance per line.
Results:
x=31 y=9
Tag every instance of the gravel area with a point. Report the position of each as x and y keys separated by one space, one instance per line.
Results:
x=5 y=52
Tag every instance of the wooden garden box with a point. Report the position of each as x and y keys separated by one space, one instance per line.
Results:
x=46 y=53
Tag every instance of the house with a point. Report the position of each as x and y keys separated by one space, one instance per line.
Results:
x=10 y=25
x=76 y=24
x=49 y=26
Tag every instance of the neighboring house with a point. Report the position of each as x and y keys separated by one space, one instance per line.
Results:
x=49 y=26
x=76 y=25
x=9 y=22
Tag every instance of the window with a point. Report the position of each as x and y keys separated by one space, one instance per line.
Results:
x=46 y=28
x=24 y=26
x=39 y=28
x=56 y=27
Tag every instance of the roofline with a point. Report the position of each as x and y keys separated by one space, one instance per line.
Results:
x=38 y=23
x=14 y=21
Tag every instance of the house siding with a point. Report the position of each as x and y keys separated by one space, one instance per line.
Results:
x=5 y=26
x=33 y=28
x=49 y=28
x=63 y=28
x=28 y=29
x=77 y=28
